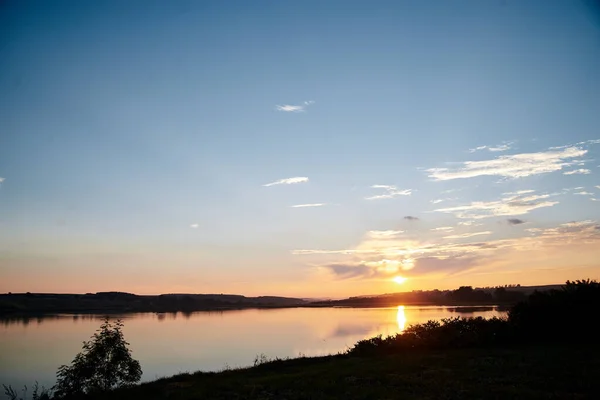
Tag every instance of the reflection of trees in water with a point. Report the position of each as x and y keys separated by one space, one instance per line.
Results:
x=25 y=320
x=470 y=309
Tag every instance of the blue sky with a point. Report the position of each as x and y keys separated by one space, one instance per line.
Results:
x=138 y=139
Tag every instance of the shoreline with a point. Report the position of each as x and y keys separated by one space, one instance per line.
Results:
x=91 y=312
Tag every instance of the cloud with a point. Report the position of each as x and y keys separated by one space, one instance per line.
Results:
x=390 y=192
x=581 y=171
x=443 y=229
x=288 y=181
x=584 y=143
x=584 y=193
x=467 y=235
x=497 y=148
x=309 y=205
x=436 y=201
x=194 y=226
x=2 y=179
x=373 y=258
x=518 y=192
x=384 y=234
x=510 y=166
x=411 y=218
x=507 y=206
x=294 y=108
x=290 y=108
x=469 y=223
x=502 y=147
x=597 y=186
x=515 y=221
x=348 y=271
x=473 y=150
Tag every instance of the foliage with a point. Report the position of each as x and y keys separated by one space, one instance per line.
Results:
x=559 y=315
x=445 y=334
x=37 y=394
x=104 y=364
x=553 y=316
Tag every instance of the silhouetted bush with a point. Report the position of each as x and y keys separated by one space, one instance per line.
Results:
x=565 y=315
x=559 y=315
x=36 y=394
x=447 y=333
x=104 y=364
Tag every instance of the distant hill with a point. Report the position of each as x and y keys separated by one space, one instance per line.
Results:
x=466 y=295
x=122 y=302
x=117 y=302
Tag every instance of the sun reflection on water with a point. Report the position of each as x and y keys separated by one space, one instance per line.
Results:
x=401 y=319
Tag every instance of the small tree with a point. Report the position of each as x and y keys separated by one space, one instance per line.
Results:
x=104 y=364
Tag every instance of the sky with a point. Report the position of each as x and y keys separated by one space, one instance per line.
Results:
x=312 y=149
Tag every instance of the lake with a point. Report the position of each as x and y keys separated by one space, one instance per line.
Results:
x=169 y=343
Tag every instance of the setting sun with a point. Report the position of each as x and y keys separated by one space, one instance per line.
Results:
x=399 y=280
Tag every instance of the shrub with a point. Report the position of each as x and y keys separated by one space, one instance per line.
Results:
x=37 y=394
x=447 y=333
x=559 y=315
x=104 y=364
x=565 y=315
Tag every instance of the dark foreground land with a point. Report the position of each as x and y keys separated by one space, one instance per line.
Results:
x=531 y=372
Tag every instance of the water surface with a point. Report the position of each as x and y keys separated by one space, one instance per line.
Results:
x=169 y=343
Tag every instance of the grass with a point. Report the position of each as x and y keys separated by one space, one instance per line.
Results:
x=532 y=372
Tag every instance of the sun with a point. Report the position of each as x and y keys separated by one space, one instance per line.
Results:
x=399 y=280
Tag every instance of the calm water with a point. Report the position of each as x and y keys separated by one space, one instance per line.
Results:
x=166 y=344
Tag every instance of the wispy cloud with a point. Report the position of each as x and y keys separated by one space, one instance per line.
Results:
x=597 y=186
x=511 y=166
x=518 y=192
x=194 y=226
x=497 y=148
x=289 y=181
x=390 y=192
x=515 y=221
x=467 y=235
x=309 y=205
x=584 y=193
x=389 y=234
x=294 y=108
x=443 y=229
x=584 y=143
x=502 y=147
x=374 y=258
x=507 y=206
x=470 y=223
x=581 y=171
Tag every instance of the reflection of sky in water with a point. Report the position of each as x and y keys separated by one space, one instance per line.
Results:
x=167 y=344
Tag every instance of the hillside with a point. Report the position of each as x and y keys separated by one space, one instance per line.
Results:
x=117 y=302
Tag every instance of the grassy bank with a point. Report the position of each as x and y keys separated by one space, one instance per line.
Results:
x=530 y=372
